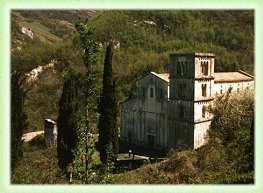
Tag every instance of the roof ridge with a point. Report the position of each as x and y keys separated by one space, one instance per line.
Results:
x=245 y=73
x=161 y=76
x=232 y=76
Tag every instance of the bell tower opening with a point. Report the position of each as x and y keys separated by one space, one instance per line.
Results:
x=204 y=67
x=204 y=90
x=203 y=111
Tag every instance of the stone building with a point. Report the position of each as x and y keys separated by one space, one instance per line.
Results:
x=50 y=132
x=170 y=110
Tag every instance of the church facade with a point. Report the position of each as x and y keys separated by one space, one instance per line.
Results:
x=170 y=110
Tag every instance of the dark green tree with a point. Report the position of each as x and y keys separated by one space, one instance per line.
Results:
x=67 y=121
x=107 y=107
x=18 y=117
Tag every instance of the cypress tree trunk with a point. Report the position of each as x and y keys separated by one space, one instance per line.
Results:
x=67 y=122
x=18 y=118
x=108 y=133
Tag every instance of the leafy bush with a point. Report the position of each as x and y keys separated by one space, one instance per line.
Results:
x=38 y=166
x=228 y=156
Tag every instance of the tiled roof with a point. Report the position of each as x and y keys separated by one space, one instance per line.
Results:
x=162 y=76
x=232 y=76
x=219 y=76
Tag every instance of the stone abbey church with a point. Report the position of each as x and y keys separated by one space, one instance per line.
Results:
x=170 y=110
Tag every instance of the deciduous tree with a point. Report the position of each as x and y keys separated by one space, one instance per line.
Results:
x=85 y=147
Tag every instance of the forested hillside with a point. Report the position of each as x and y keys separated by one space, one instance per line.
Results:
x=143 y=41
x=52 y=51
x=228 y=34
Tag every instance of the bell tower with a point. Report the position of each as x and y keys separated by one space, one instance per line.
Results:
x=191 y=92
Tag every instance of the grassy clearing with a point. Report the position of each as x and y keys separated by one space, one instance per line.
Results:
x=41 y=32
x=39 y=165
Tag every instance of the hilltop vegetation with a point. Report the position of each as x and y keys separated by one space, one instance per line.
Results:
x=143 y=41
x=228 y=34
x=50 y=26
x=146 y=38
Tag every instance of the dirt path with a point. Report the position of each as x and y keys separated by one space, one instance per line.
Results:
x=28 y=136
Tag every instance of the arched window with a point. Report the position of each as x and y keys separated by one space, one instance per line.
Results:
x=181 y=111
x=203 y=111
x=204 y=90
x=178 y=68
x=161 y=93
x=185 y=68
x=182 y=68
x=182 y=88
x=204 y=67
x=238 y=88
x=230 y=89
x=143 y=91
x=151 y=92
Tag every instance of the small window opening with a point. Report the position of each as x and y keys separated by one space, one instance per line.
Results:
x=151 y=92
x=204 y=67
x=161 y=93
x=178 y=68
x=204 y=90
x=182 y=89
x=143 y=91
x=181 y=112
x=203 y=111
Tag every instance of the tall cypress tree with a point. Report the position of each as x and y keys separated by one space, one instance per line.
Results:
x=107 y=107
x=18 y=117
x=67 y=122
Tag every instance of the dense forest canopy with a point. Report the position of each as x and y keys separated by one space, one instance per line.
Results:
x=143 y=40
